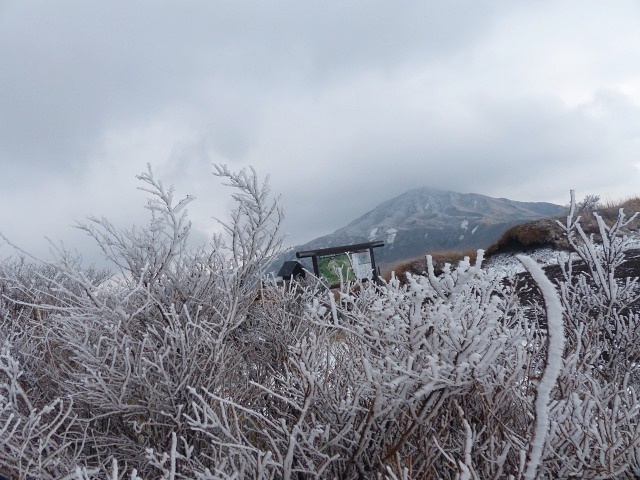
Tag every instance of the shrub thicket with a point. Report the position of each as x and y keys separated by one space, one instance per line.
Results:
x=187 y=365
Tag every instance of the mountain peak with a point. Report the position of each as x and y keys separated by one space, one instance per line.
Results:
x=428 y=219
x=427 y=207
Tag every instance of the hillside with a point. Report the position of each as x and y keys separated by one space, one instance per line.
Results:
x=426 y=219
x=542 y=239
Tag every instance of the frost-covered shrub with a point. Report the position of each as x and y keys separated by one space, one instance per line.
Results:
x=36 y=441
x=596 y=425
x=431 y=377
x=189 y=364
x=127 y=350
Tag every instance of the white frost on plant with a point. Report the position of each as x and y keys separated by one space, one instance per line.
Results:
x=506 y=264
x=555 y=348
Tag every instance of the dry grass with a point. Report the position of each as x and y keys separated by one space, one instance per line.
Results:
x=418 y=266
x=631 y=204
x=534 y=234
x=608 y=210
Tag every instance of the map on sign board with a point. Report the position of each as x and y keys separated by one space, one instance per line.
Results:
x=345 y=267
x=361 y=264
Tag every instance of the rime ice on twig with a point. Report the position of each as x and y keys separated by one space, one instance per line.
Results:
x=553 y=365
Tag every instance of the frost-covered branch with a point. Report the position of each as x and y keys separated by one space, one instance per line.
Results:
x=552 y=367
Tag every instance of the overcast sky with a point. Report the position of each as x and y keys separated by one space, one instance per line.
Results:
x=344 y=104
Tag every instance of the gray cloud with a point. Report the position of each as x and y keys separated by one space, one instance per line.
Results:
x=345 y=104
x=533 y=149
x=71 y=69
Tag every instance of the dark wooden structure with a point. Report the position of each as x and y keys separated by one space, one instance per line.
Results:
x=291 y=270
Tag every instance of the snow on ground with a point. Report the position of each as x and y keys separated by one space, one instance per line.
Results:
x=507 y=265
x=391 y=234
